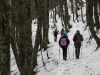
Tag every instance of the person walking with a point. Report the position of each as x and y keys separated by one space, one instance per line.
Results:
x=61 y=32
x=55 y=35
x=63 y=43
x=77 y=43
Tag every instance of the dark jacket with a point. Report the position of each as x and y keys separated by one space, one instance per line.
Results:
x=62 y=32
x=55 y=33
x=74 y=38
x=68 y=41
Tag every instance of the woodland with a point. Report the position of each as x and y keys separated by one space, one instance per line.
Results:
x=16 y=31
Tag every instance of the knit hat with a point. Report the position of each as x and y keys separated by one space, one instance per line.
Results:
x=77 y=31
x=64 y=33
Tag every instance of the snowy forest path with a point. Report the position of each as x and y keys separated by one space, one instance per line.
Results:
x=72 y=65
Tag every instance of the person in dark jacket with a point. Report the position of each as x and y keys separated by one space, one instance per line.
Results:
x=55 y=35
x=61 y=32
x=65 y=45
x=78 y=38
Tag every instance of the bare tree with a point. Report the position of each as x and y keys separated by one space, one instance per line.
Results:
x=96 y=16
x=4 y=37
x=90 y=21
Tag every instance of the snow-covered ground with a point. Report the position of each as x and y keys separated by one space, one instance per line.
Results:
x=88 y=64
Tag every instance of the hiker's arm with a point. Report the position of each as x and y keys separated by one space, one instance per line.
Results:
x=74 y=38
x=59 y=41
x=82 y=38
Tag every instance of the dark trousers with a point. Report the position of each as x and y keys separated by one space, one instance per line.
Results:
x=77 y=49
x=64 y=52
x=55 y=38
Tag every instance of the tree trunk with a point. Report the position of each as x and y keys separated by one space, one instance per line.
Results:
x=76 y=9
x=96 y=16
x=14 y=30
x=72 y=9
x=99 y=6
x=5 y=37
x=81 y=4
x=90 y=23
x=47 y=21
x=66 y=17
x=40 y=21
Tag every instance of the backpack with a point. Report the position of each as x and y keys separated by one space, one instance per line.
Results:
x=78 y=38
x=63 y=42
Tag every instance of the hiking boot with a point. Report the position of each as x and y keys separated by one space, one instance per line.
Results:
x=64 y=58
x=78 y=58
